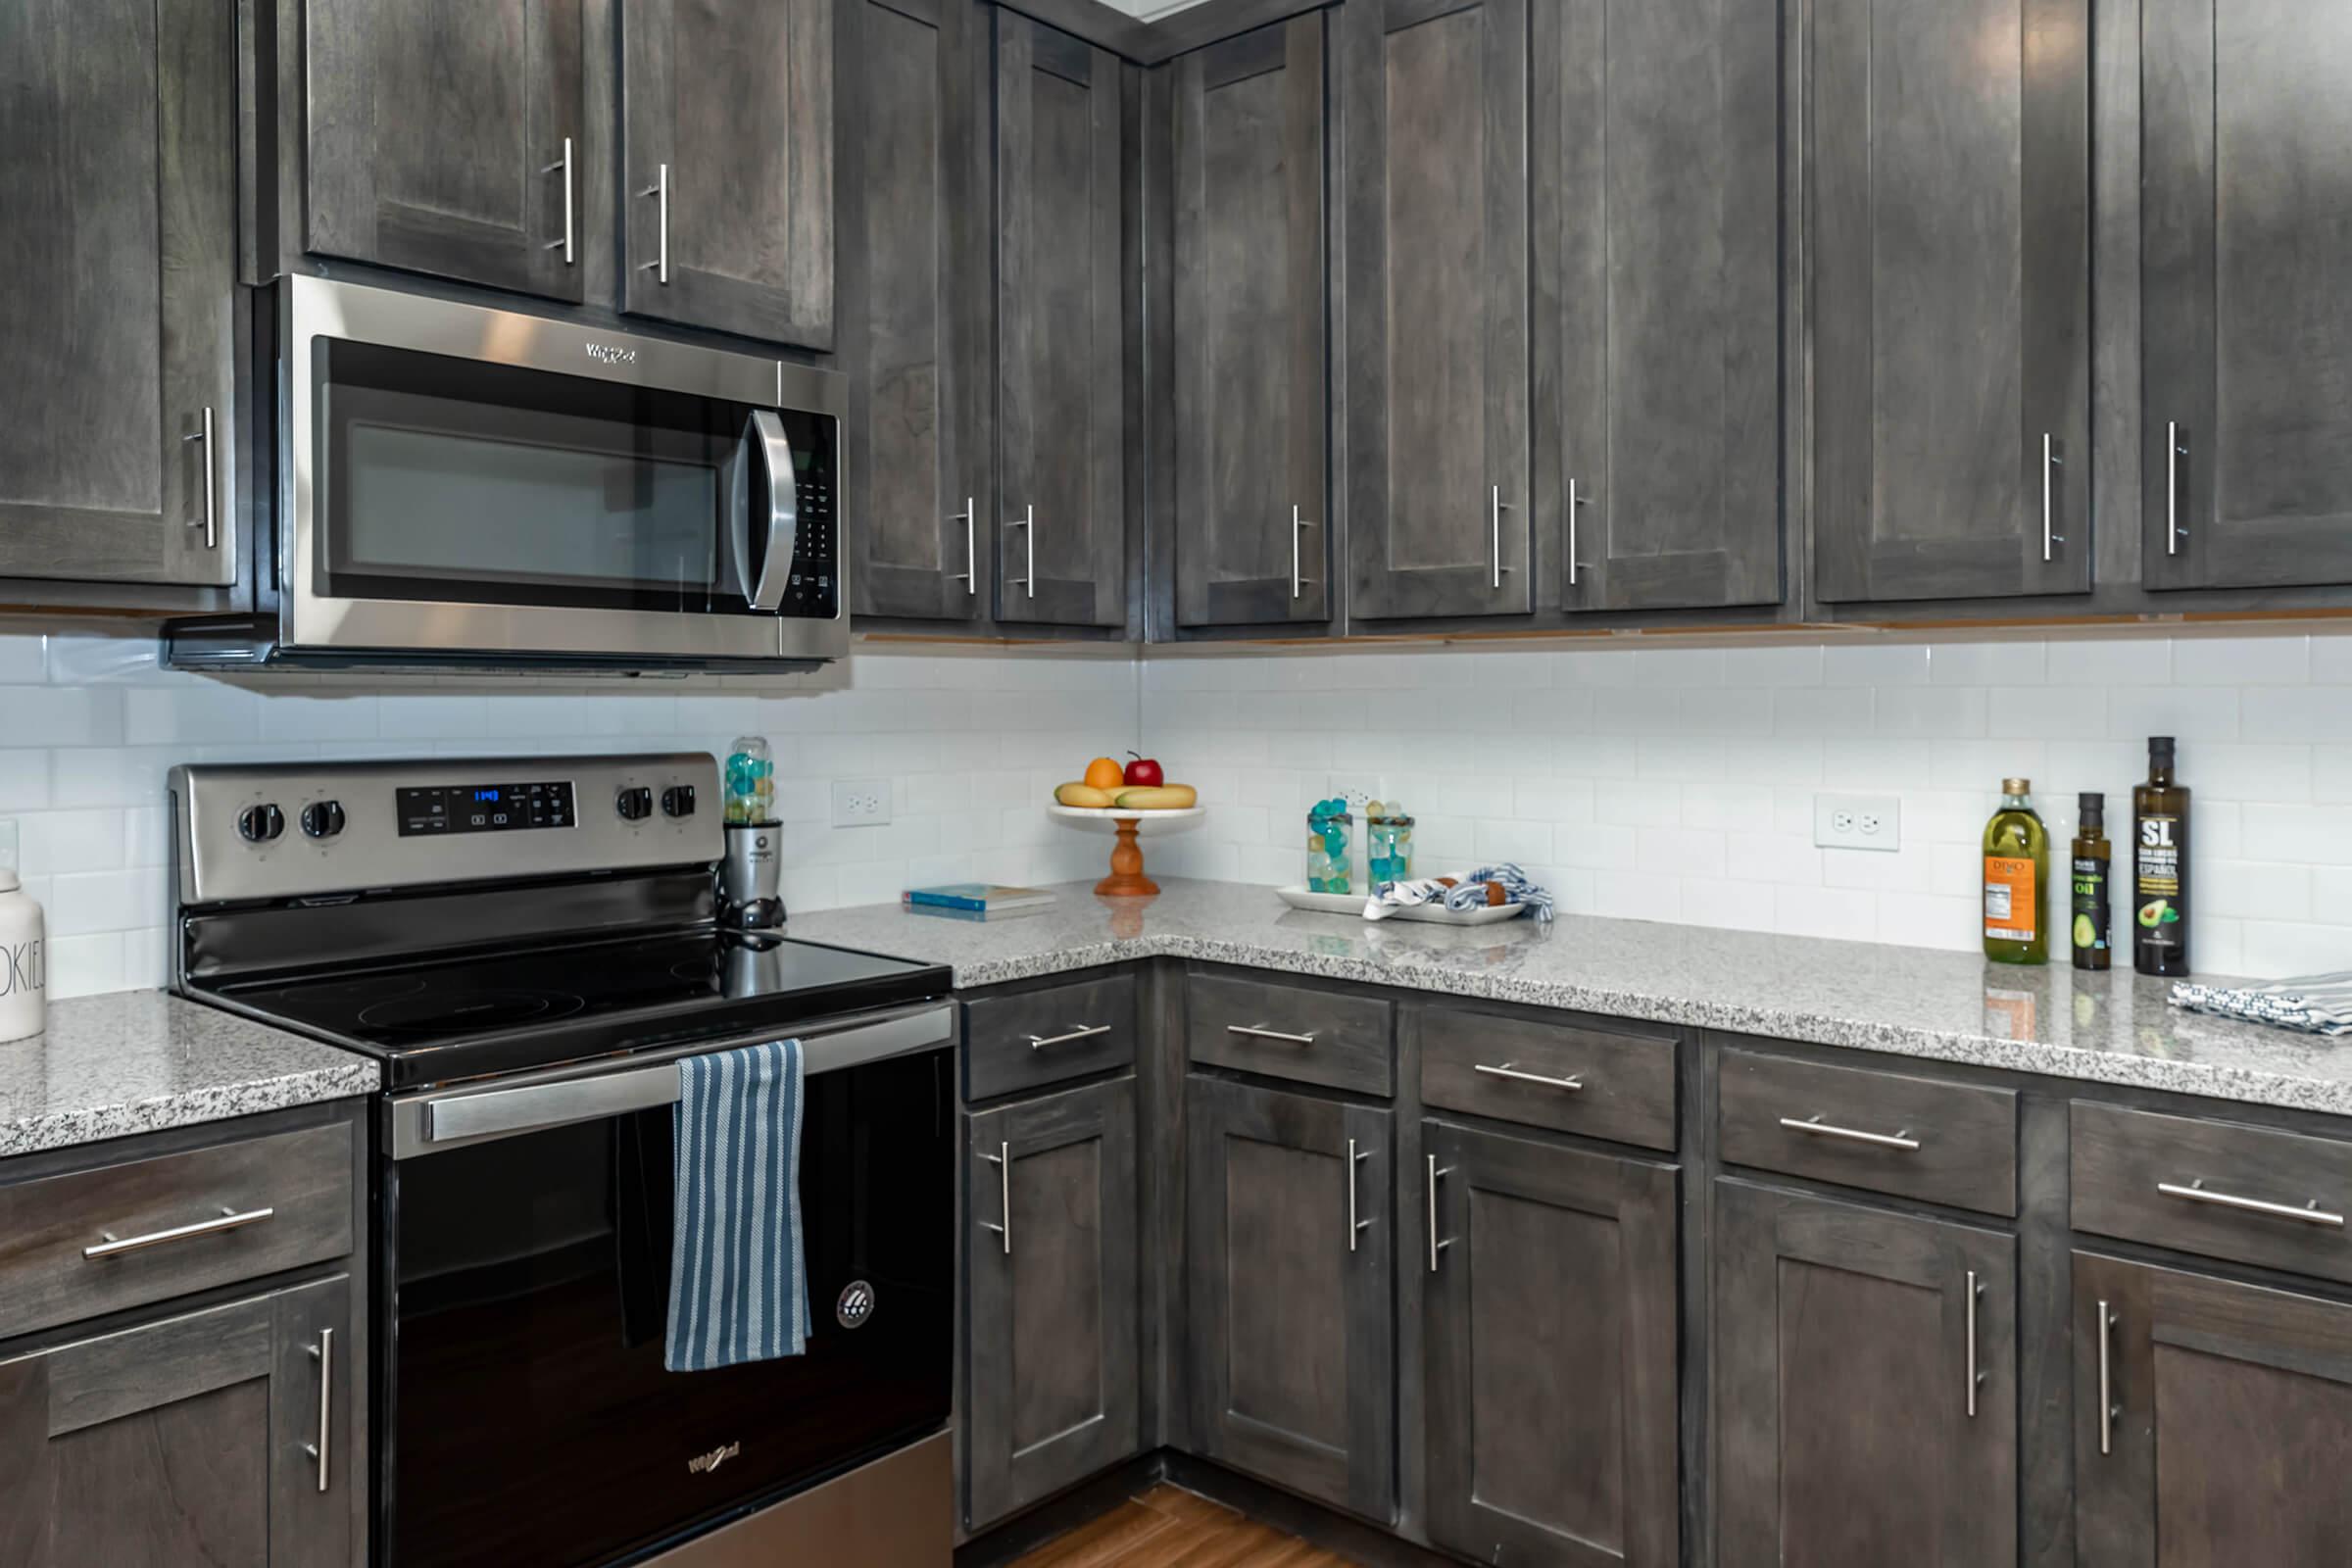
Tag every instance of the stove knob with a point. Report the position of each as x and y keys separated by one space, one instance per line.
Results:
x=634 y=804
x=259 y=824
x=678 y=800
x=322 y=819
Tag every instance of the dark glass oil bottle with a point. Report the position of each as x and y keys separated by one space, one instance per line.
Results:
x=2016 y=879
x=2160 y=866
x=2092 y=901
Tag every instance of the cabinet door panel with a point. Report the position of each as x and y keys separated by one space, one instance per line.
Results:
x=1434 y=105
x=118 y=138
x=1949 y=161
x=2229 y=1430
x=1291 y=1324
x=1250 y=513
x=1060 y=344
x=1844 y=1430
x=734 y=98
x=1656 y=155
x=434 y=135
x=2246 y=348
x=915 y=312
x=1056 y=1383
x=1551 y=1333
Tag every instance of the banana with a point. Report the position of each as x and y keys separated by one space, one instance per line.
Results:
x=1075 y=794
x=1163 y=798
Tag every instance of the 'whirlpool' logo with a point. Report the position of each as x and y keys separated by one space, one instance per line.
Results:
x=702 y=1464
x=612 y=354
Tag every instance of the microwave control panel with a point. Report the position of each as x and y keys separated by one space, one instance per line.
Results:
x=814 y=591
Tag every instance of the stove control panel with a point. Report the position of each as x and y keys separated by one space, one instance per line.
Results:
x=482 y=807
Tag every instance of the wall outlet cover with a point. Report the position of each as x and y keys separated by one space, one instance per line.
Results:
x=1858 y=821
x=860 y=802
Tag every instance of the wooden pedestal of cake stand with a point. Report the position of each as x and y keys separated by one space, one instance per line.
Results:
x=1127 y=879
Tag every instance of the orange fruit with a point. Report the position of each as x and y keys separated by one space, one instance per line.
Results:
x=1104 y=774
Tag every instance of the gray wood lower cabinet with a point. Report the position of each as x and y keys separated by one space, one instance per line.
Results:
x=1053 y=1307
x=223 y=1436
x=1551 y=1333
x=1847 y=1427
x=118 y=179
x=2213 y=1420
x=1291 y=1338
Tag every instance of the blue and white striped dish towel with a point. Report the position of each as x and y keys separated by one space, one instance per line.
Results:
x=738 y=1287
x=2314 y=1005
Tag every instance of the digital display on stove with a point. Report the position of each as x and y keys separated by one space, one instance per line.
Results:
x=483 y=808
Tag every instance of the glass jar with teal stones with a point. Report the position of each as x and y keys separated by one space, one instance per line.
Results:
x=1330 y=826
x=1388 y=842
x=749 y=781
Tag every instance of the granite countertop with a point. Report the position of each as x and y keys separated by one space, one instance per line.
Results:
x=2114 y=1027
x=135 y=1062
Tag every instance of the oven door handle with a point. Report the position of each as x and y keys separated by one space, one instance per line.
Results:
x=426 y=1123
x=773 y=509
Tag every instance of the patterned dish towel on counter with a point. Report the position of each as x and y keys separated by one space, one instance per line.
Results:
x=1467 y=892
x=2315 y=1005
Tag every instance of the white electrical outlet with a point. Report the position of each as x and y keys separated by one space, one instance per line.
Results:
x=860 y=802
x=1858 y=821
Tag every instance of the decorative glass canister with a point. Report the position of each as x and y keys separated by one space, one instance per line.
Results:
x=1328 y=827
x=1388 y=842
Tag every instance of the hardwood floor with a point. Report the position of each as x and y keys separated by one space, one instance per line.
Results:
x=1168 y=1527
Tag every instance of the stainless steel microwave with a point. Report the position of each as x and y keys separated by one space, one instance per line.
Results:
x=465 y=487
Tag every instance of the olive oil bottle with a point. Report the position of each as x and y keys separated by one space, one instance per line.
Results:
x=2016 y=879
x=2092 y=855
x=2160 y=866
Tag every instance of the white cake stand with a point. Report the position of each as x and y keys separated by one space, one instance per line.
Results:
x=1126 y=879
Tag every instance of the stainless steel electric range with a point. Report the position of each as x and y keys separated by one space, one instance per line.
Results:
x=527 y=945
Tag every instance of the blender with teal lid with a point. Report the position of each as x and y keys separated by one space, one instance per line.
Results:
x=750 y=873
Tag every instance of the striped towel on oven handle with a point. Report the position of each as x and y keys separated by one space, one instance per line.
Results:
x=738 y=1282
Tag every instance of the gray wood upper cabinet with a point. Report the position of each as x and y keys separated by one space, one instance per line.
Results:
x=1551 y=1329
x=1062 y=387
x=1434 y=298
x=1291 y=1333
x=1846 y=1426
x=1250 y=513
x=1946 y=165
x=726 y=164
x=916 y=313
x=435 y=138
x=2246 y=320
x=192 y=1440
x=2213 y=1420
x=1055 y=1385
x=117 y=174
x=1657 y=242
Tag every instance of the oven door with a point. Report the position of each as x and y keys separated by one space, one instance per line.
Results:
x=470 y=482
x=525 y=1411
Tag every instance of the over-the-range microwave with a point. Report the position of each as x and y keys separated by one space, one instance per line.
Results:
x=461 y=487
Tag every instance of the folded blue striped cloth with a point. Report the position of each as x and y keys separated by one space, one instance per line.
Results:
x=738 y=1287
x=1468 y=891
x=2314 y=1005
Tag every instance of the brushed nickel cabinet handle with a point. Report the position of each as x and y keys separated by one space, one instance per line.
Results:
x=1436 y=1246
x=1975 y=1377
x=1496 y=506
x=212 y=493
x=1003 y=1160
x=2053 y=456
x=659 y=192
x=1507 y=1070
x=1258 y=1031
x=1354 y=1225
x=1085 y=1031
x=1298 y=581
x=1575 y=501
x=229 y=1219
x=2196 y=1192
x=1027 y=523
x=2175 y=449
x=323 y=1352
x=2108 y=1410
x=563 y=165
x=970 y=577
x=1816 y=1127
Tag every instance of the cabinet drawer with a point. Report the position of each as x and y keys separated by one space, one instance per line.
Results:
x=1945 y=1142
x=1597 y=1082
x=1315 y=1037
x=1048 y=1037
x=2214 y=1188
x=177 y=1222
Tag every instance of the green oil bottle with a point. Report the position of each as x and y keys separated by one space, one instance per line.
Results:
x=2016 y=879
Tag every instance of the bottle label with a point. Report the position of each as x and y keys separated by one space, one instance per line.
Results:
x=2091 y=905
x=2009 y=898
x=2159 y=903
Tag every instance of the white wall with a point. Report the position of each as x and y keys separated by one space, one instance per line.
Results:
x=1677 y=784
x=88 y=725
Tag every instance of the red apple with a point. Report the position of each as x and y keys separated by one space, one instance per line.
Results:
x=1144 y=773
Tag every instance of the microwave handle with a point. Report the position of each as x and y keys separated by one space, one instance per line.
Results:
x=774 y=508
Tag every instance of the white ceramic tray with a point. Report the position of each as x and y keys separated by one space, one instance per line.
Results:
x=1432 y=913
x=1111 y=814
